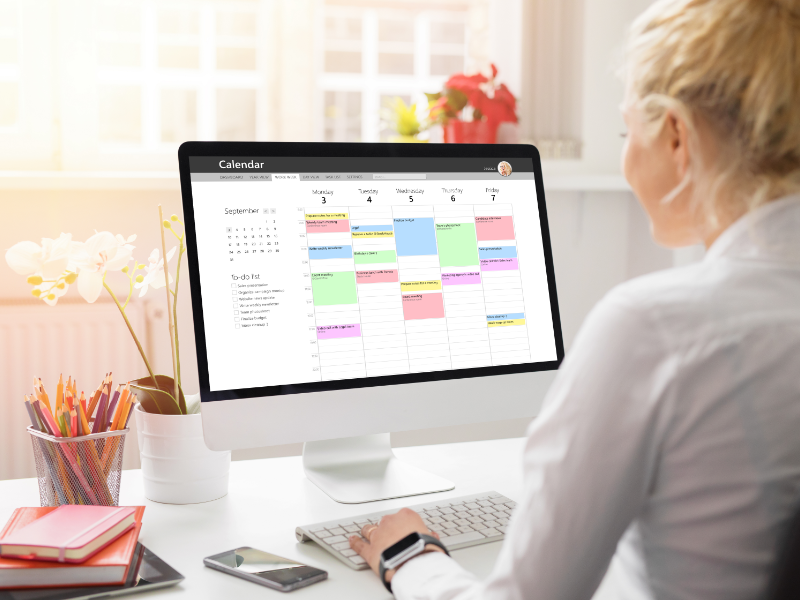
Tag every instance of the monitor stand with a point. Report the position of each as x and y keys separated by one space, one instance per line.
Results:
x=364 y=469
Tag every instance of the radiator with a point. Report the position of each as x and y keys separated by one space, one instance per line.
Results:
x=78 y=339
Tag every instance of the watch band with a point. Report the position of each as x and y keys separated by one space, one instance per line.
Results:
x=428 y=539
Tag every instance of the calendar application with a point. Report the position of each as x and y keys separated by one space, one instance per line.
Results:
x=325 y=269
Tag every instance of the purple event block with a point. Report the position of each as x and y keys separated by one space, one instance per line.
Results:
x=500 y=264
x=332 y=332
x=461 y=278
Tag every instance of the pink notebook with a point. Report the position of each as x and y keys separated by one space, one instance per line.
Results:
x=69 y=533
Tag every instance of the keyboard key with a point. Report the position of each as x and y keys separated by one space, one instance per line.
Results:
x=472 y=536
x=344 y=524
x=334 y=539
x=316 y=528
x=475 y=512
x=502 y=521
x=341 y=546
x=503 y=514
x=434 y=513
x=491 y=532
x=348 y=552
x=461 y=522
x=484 y=503
x=437 y=520
x=352 y=529
x=500 y=500
x=488 y=511
x=449 y=532
x=495 y=496
x=465 y=529
x=475 y=520
x=358 y=560
x=362 y=522
x=462 y=514
x=337 y=531
x=511 y=504
x=502 y=529
x=458 y=507
x=491 y=524
x=478 y=526
x=471 y=505
x=450 y=518
x=446 y=510
x=323 y=534
x=424 y=514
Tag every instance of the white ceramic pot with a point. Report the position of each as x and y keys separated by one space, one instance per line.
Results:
x=177 y=466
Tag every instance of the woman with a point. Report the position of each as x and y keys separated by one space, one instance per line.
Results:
x=670 y=441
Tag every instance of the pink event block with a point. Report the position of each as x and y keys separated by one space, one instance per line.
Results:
x=377 y=276
x=328 y=226
x=332 y=332
x=461 y=278
x=423 y=306
x=500 y=264
x=494 y=228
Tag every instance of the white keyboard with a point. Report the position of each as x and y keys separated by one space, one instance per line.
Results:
x=460 y=522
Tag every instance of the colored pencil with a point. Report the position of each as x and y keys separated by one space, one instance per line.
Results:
x=111 y=406
x=59 y=392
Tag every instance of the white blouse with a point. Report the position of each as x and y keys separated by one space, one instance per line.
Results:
x=669 y=442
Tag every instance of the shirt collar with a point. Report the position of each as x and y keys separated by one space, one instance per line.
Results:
x=770 y=233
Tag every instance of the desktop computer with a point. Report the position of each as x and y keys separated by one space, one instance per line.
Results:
x=345 y=291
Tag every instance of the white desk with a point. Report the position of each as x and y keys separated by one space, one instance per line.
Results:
x=268 y=498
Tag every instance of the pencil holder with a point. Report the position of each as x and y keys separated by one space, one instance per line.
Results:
x=84 y=470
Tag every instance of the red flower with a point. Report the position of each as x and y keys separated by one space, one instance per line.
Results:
x=497 y=109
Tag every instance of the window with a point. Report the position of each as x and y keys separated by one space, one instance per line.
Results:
x=9 y=65
x=373 y=54
x=169 y=71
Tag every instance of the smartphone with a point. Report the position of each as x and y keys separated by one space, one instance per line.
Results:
x=265 y=568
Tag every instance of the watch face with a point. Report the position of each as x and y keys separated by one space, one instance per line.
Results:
x=401 y=546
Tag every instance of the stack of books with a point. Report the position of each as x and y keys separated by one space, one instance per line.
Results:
x=69 y=546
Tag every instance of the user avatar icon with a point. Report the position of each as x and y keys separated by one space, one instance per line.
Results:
x=504 y=169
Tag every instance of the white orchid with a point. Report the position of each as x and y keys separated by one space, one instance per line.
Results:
x=100 y=253
x=154 y=272
x=49 y=260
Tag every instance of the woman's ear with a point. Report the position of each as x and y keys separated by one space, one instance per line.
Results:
x=676 y=133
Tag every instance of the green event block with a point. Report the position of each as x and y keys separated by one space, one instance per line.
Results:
x=334 y=288
x=458 y=244
x=374 y=256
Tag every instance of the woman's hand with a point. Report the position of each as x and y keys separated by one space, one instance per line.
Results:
x=392 y=529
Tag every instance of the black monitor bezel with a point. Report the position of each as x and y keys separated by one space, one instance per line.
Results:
x=325 y=150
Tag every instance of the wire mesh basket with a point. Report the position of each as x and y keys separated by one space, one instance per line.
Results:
x=83 y=470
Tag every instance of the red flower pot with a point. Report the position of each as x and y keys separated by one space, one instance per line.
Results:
x=470 y=132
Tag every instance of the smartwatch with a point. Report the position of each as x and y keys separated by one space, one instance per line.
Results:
x=410 y=546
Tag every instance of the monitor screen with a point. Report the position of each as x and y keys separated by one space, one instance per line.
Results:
x=328 y=273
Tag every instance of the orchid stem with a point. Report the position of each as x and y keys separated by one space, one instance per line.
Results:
x=133 y=334
x=175 y=311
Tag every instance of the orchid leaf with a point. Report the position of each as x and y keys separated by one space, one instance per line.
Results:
x=159 y=400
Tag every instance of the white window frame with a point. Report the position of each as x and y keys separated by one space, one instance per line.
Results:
x=205 y=80
x=369 y=82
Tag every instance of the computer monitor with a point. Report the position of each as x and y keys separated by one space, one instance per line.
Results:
x=344 y=291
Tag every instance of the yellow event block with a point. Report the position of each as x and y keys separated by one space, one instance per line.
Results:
x=419 y=286
x=310 y=216
x=373 y=234
x=506 y=323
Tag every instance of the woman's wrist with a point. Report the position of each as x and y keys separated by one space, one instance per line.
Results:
x=428 y=550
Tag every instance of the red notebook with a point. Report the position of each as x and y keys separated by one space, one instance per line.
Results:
x=107 y=567
x=69 y=533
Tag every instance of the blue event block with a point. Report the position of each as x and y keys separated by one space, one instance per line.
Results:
x=370 y=228
x=322 y=252
x=505 y=316
x=487 y=252
x=415 y=236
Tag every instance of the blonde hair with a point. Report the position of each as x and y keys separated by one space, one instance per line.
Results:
x=736 y=65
